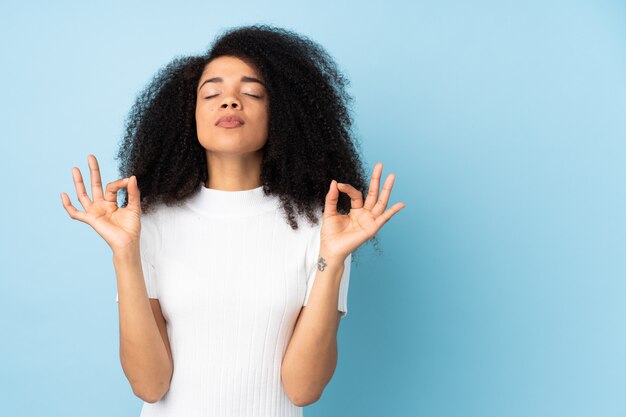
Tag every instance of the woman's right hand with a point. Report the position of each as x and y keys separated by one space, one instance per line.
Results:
x=120 y=227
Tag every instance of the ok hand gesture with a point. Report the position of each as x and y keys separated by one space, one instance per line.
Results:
x=341 y=234
x=119 y=227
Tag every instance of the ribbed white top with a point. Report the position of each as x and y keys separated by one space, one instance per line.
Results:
x=231 y=277
x=232 y=203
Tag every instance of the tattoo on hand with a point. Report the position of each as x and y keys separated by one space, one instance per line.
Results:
x=321 y=264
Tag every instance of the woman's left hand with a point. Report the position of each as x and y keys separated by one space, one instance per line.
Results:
x=341 y=234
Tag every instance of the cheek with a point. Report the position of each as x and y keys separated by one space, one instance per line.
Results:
x=265 y=115
x=202 y=122
x=201 y=113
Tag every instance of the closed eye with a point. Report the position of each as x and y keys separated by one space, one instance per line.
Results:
x=251 y=95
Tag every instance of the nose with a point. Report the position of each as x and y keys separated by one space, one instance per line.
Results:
x=232 y=101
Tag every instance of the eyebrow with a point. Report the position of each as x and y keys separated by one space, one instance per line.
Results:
x=243 y=79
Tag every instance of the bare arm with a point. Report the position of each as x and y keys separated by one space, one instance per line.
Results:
x=311 y=357
x=144 y=348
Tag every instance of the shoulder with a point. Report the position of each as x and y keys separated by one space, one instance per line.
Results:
x=151 y=218
x=308 y=228
x=312 y=232
x=160 y=213
x=308 y=224
x=152 y=221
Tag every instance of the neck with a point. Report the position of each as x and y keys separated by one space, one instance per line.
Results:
x=233 y=172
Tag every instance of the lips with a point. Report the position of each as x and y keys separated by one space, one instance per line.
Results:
x=229 y=121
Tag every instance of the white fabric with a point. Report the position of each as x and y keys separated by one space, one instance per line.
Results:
x=231 y=276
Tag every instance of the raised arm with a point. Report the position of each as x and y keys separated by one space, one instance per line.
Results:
x=144 y=350
x=144 y=347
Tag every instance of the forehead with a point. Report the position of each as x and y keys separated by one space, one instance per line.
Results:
x=225 y=66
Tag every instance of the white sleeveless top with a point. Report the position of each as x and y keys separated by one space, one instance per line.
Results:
x=231 y=276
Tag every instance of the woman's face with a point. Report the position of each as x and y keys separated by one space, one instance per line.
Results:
x=229 y=86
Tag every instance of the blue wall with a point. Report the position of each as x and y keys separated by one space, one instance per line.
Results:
x=501 y=288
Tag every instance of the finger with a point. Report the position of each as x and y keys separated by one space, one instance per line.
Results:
x=110 y=194
x=356 y=197
x=83 y=197
x=372 y=193
x=384 y=217
x=133 y=194
x=384 y=196
x=71 y=210
x=330 y=207
x=96 y=181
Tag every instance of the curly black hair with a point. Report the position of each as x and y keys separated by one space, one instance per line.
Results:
x=310 y=139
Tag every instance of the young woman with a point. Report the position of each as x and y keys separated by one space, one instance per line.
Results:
x=251 y=206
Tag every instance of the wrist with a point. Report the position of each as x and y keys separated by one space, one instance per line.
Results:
x=127 y=254
x=327 y=262
x=331 y=254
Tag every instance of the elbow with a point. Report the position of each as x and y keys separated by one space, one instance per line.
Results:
x=301 y=391
x=304 y=399
x=152 y=393
x=151 y=396
x=147 y=398
x=151 y=388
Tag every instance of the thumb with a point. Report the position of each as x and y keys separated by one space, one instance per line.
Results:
x=330 y=207
x=134 y=194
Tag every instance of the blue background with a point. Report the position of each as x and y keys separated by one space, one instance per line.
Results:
x=501 y=288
